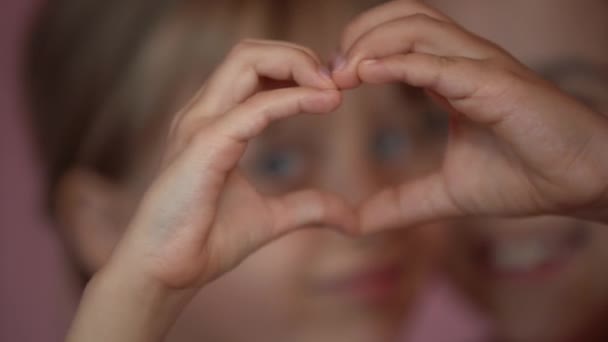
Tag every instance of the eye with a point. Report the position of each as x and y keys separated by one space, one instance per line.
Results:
x=389 y=145
x=279 y=166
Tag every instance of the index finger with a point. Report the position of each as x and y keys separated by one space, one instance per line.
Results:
x=238 y=77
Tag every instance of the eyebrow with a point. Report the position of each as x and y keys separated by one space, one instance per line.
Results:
x=564 y=68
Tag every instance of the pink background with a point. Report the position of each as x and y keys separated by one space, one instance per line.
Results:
x=35 y=299
x=36 y=294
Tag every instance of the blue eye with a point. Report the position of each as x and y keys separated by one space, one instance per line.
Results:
x=278 y=165
x=389 y=145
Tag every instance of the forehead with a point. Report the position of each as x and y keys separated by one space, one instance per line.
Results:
x=365 y=108
x=537 y=30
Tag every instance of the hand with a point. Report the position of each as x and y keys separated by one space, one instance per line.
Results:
x=517 y=145
x=201 y=217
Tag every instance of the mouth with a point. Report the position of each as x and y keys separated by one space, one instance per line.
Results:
x=373 y=284
x=533 y=257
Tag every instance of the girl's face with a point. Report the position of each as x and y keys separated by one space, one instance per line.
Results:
x=317 y=285
x=313 y=285
x=542 y=279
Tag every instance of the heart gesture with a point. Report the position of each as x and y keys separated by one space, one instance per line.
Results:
x=201 y=217
x=517 y=145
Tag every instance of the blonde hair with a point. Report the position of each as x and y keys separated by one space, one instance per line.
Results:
x=103 y=74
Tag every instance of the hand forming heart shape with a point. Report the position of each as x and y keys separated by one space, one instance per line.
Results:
x=515 y=147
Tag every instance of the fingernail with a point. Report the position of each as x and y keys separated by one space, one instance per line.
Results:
x=338 y=63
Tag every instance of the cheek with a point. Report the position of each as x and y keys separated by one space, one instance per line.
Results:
x=423 y=250
x=261 y=293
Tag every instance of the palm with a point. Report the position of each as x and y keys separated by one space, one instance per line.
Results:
x=482 y=175
x=531 y=161
x=219 y=219
x=513 y=166
x=201 y=217
x=243 y=215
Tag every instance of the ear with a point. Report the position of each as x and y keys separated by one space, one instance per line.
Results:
x=92 y=214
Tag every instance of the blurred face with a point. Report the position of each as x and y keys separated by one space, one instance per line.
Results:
x=542 y=279
x=317 y=285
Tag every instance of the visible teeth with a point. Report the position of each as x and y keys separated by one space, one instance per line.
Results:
x=518 y=256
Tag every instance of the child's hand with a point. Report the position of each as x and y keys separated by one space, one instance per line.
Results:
x=201 y=217
x=517 y=144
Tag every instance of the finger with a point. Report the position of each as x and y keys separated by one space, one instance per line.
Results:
x=382 y=14
x=418 y=33
x=218 y=140
x=418 y=202
x=239 y=76
x=210 y=153
x=249 y=119
x=294 y=211
x=470 y=87
x=311 y=208
x=310 y=52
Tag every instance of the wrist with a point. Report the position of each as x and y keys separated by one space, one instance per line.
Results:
x=120 y=304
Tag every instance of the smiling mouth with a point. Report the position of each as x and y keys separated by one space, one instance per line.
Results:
x=531 y=258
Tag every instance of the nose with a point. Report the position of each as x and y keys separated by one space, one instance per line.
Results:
x=348 y=170
x=351 y=175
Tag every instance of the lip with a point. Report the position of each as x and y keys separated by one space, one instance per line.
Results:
x=376 y=283
x=531 y=259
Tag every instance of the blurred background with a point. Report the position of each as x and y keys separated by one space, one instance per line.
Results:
x=36 y=300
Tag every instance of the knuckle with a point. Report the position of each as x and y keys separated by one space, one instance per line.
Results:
x=303 y=55
x=242 y=47
x=500 y=83
x=429 y=21
x=316 y=205
x=445 y=61
x=309 y=52
x=263 y=107
x=420 y=19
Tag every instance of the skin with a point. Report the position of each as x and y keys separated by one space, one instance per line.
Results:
x=502 y=116
x=311 y=285
x=298 y=287
x=305 y=152
x=568 y=303
x=533 y=134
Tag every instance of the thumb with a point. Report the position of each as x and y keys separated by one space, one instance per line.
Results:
x=309 y=208
x=418 y=202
